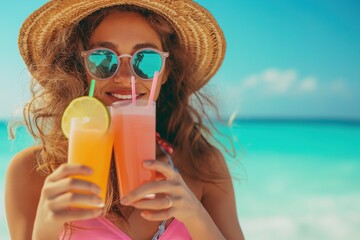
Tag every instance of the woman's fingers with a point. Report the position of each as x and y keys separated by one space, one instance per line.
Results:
x=65 y=198
x=60 y=181
x=66 y=170
x=63 y=192
x=155 y=204
x=150 y=188
x=171 y=183
x=69 y=199
x=158 y=215
x=53 y=189
x=173 y=196
x=161 y=167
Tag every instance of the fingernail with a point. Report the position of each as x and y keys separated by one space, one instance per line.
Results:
x=144 y=214
x=88 y=170
x=99 y=205
x=150 y=196
x=97 y=189
x=124 y=201
x=148 y=162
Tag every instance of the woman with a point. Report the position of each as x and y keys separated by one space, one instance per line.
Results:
x=199 y=202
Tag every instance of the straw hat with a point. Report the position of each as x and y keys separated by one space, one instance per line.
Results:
x=195 y=26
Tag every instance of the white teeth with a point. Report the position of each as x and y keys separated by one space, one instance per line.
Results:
x=122 y=96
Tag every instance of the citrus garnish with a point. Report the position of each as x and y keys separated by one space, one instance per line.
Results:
x=88 y=108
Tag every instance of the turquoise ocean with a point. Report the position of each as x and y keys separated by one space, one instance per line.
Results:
x=293 y=179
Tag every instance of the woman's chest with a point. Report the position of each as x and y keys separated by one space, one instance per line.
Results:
x=138 y=228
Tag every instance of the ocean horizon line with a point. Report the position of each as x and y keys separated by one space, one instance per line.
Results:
x=295 y=120
x=290 y=120
x=298 y=120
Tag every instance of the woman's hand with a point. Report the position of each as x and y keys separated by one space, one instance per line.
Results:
x=59 y=195
x=173 y=197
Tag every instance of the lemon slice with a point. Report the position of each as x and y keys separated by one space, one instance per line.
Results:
x=87 y=108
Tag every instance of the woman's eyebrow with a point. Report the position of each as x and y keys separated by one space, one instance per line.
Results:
x=114 y=46
x=104 y=44
x=145 y=45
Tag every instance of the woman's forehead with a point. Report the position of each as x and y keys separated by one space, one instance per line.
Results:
x=125 y=30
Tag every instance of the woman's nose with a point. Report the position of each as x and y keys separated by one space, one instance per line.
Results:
x=124 y=72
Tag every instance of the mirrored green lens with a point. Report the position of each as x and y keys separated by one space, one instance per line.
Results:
x=102 y=63
x=146 y=63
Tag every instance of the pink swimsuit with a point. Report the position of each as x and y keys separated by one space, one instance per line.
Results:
x=102 y=229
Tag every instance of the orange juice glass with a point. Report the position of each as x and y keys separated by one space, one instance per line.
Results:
x=134 y=142
x=93 y=148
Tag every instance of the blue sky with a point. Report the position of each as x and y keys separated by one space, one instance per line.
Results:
x=284 y=58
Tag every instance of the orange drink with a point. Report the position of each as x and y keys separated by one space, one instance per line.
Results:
x=92 y=147
x=134 y=142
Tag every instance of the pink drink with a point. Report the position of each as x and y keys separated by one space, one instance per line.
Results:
x=134 y=128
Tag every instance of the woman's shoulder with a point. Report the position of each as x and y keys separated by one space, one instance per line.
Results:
x=223 y=182
x=217 y=157
x=214 y=161
x=22 y=192
x=23 y=164
x=22 y=180
x=219 y=198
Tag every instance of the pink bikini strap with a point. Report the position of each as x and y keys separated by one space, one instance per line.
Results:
x=165 y=145
x=168 y=150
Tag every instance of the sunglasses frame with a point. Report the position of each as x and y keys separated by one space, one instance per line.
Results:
x=87 y=53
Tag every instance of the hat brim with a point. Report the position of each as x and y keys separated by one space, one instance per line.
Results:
x=197 y=29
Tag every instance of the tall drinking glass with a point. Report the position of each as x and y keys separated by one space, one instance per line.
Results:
x=134 y=142
x=91 y=147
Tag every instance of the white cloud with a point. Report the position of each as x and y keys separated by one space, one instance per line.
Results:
x=309 y=84
x=281 y=92
x=276 y=82
x=273 y=81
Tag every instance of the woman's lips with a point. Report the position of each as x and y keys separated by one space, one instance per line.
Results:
x=122 y=97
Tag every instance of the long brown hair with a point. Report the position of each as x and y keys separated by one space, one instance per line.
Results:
x=178 y=121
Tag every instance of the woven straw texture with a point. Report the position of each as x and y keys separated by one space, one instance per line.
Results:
x=195 y=26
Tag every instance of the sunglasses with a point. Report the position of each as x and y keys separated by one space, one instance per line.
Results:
x=103 y=63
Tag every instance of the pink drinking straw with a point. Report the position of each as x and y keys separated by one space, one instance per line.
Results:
x=133 y=95
x=153 y=87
